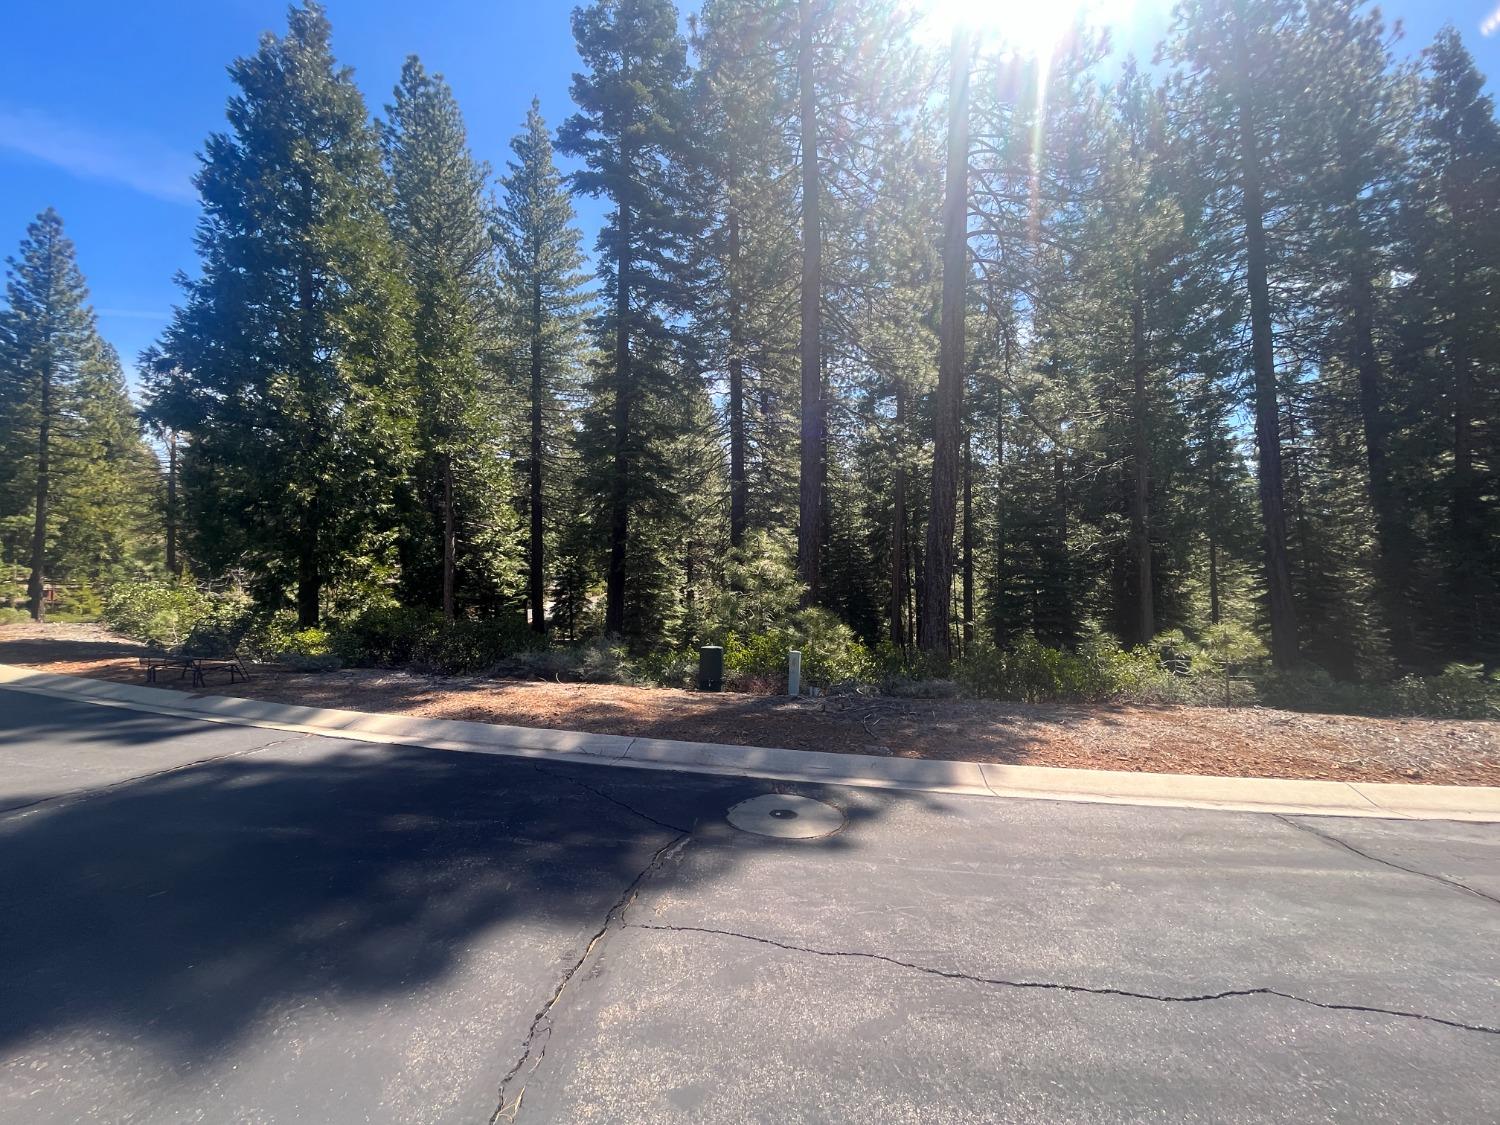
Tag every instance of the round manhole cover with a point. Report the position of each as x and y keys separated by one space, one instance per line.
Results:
x=786 y=816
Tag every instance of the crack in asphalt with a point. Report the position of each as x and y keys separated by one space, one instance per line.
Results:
x=540 y=1032
x=1330 y=838
x=104 y=790
x=1054 y=986
x=603 y=796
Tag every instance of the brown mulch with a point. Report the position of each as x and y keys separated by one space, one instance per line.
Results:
x=1242 y=742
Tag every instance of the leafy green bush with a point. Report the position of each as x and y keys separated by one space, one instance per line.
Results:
x=77 y=603
x=831 y=653
x=172 y=614
x=1098 y=671
x=466 y=646
x=13 y=616
x=391 y=636
x=157 y=613
x=1462 y=691
x=384 y=636
x=277 y=640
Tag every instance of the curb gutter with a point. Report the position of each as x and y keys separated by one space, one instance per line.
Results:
x=1242 y=794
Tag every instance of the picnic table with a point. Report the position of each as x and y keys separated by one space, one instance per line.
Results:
x=195 y=664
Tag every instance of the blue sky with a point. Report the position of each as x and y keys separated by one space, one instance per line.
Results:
x=103 y=105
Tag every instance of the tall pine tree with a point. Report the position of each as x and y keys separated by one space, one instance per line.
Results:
x=542 y=257
x=440 y=217
x=72 y=461
x=292 y=352
x=630 y=132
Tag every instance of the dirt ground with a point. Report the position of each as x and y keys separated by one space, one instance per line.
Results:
x=1243 y=742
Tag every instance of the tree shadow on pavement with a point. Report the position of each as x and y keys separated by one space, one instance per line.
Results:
x=183 y=908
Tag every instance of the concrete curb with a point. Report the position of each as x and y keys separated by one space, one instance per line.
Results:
x=1243 y=794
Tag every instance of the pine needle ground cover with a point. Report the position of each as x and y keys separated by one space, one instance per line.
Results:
x=1239 y=741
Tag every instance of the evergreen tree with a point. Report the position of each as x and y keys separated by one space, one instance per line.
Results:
x=1452 y=301
x=938 y=559
x=441 y=220
x=542 y=257
x=1243 y=64
x=630 y=134
x=71 y=456
x=1352 y=204
x=292 y=352
x=746 y=312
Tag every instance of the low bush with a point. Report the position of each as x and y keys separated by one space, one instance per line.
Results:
x=392 y=636
x=278 y=640
x=831 y=654
x=472 y=645
x=384 y=636
x=596 y=661
x=1097 y=671
x=1462 y=691
x=157 y=613
x=13 y=616
x=76 y=603
x=173 y=614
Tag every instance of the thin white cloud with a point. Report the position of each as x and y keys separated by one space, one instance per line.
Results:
x=1491 y=25
x=137 y=162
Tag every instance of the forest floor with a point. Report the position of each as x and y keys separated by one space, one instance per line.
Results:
x=1237 y=742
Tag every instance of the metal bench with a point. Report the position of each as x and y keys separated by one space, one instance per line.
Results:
x=155 y=661
x=200 y=665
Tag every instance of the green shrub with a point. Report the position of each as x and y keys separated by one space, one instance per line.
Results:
x=171 y=614
x=384 y=636
x=392 y=636
x=13 y=616
x=467 y=646
x=1462 y=691
x=1098 y=671
x=667 y=669
x=157 y=613
x=77 y=603
x=277 y=640
x=831 y=653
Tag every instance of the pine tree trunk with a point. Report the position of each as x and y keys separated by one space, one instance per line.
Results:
x=1062 y=611
x=738 y=485
x=309 y=576
x=1214 y=610
x=535 y=563
x=1283 y=612
x=809 y=485
x=450 y=540
x=36 y=592
x=171 y=512
x=1140 y=496
x=999 y=623
x=1384 y=502
x=968 y=539
x=1464 y=502
x=619 y=505
x=937 y=579
x=899 y=589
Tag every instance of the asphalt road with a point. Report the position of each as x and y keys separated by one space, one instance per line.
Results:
x=202 y=922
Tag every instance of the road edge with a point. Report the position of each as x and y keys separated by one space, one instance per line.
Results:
x=1195 y=791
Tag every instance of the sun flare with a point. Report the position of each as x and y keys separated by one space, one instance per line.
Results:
x=1028 y=27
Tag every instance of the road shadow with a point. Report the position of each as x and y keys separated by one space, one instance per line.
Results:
x=41 y=650
x=183 y=908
